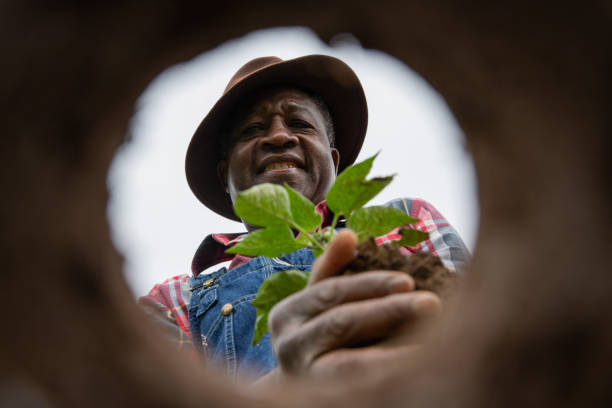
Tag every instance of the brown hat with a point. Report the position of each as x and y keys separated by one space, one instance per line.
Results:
x=333 y=80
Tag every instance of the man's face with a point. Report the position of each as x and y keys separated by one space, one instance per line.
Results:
x=282 y=138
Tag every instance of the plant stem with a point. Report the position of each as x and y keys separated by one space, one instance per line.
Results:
x=309 y=236
x=305 y=233
x=335 y=220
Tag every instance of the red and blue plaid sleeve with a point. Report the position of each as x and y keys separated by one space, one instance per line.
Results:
x=167 y=304
x=443 y=240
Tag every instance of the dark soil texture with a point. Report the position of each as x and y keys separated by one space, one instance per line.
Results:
x=427 y=269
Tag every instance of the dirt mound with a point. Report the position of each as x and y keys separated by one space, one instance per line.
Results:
x=426 y=268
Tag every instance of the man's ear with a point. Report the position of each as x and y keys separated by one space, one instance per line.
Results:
x=222 y=174
x=336 y=158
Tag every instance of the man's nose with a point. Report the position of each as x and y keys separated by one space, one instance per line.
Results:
x=278 y=135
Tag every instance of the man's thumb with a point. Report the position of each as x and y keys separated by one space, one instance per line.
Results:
x=339 y=252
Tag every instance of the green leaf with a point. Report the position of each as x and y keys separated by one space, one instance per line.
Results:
x=273 y=241
x=377 y=220
x=411 y=237
x=351 y=190
x=263 y=205
x=302 y=210
x=261 y=326
x=302 y=240
x=274 y=289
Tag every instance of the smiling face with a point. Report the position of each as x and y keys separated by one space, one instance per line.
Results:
x=281 y=138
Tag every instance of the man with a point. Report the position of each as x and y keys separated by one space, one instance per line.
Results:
x=299 y=121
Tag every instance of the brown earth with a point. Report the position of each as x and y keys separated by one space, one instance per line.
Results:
x=425 y=268
x=529 y=84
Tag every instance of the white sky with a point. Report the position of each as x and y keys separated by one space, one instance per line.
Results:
x=157 y=223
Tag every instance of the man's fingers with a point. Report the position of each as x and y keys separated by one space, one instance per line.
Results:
x=331 y=292
x=339 y=252
x=368 y=320
x=357 y=361
x=352 y=324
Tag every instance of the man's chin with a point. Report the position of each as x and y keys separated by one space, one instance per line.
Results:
x=295 y=178
x=292 y=176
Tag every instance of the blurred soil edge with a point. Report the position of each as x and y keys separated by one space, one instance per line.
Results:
x=529 y=85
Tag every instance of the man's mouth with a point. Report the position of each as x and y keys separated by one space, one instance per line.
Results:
x=280 y=162
x=280 y=166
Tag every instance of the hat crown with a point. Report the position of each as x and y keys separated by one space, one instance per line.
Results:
x=249 y=68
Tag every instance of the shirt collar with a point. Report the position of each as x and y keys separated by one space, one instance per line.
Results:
x=212 y=249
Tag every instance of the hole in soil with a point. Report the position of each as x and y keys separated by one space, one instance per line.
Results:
x=157 y=223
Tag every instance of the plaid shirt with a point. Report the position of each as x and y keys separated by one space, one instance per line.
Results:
x=167 y=302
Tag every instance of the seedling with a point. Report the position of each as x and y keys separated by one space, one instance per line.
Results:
x=289 y=222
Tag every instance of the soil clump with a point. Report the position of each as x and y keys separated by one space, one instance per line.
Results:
x=425 y=268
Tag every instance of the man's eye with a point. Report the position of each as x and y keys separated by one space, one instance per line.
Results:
x=300 y=124
x=252 y=128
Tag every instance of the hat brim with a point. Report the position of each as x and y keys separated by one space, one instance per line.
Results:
x=326 y=76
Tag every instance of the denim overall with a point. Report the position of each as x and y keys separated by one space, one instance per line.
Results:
x=222 y=318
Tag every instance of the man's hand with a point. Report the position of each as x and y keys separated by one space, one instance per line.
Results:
x=342 y=323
